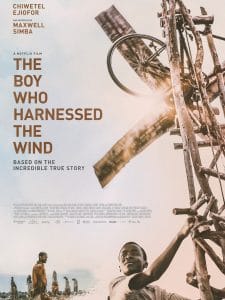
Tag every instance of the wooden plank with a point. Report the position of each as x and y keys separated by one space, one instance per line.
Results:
x=200 y=144
x=136 y=140
x=134 y=50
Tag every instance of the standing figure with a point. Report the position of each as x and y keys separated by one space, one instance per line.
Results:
x=39 y=278
x=14 y=292
x=67 y=290
x=55 y=285
x=29 y=287
x=75 y=286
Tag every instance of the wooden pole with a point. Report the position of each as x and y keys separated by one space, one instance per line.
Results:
x=217 y=65
x=212 y=173
x=211 y=166
x=187 y=134
x=199 y=74
x=200 y=144
x=215 y=258
x=217 y=293
x=202 y=274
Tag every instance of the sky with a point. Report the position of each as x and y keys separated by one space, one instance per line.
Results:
x=74 y=74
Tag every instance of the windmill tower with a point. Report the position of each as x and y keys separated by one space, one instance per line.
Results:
x=188 y=94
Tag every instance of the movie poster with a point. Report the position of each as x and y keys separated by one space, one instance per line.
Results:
x=60 y=115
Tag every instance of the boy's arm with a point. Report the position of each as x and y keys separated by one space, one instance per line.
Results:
x=159 y=266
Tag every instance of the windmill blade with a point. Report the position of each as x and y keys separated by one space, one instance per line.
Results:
x=134 y=50
x=133 y=142
x=155 y=75
x=138 y=138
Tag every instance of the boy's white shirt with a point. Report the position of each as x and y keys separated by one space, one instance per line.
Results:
x=119 y=290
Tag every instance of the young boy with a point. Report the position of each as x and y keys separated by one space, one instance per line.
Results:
x=135 y=284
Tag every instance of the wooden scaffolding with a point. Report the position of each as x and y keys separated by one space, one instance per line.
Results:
x=188 y=95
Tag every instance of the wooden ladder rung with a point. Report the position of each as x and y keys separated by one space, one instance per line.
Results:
x=212 y=172
x=176 y=131
x=200 y=144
